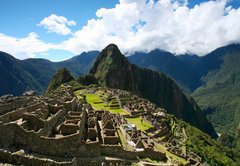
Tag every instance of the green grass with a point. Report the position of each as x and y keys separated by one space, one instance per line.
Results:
x=124 y=142
x=142 y=125
x=174 y=157
x=79 y=94
x=97 y=103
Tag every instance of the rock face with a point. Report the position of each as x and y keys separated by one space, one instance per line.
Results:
x=112 y=69
x=62 y=76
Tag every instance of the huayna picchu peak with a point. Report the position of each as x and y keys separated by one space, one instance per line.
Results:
x=112 y=69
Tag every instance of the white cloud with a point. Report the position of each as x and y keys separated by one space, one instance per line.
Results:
x=23 y=48
x=57 y=24
x=139 y=25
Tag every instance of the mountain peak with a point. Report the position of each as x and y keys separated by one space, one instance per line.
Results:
x=62 y=76
x=110 y=61
x=113 y=51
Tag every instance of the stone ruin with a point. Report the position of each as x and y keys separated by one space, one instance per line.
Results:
x=37 y=130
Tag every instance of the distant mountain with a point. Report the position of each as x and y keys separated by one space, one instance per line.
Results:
x=213 y=79
x=219 y=96
x=180 y=68
x=14 y=78
x=20 y=75
x=114 y=70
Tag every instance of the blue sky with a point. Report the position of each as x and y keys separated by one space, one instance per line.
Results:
x=25 y=34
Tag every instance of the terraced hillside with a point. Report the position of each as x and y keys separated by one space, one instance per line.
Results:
x=166 y=133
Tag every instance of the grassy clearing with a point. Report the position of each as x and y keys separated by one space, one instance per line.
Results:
x=97 y=103
x=142 y=125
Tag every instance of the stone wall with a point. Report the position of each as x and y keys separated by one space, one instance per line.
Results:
x=4 y=108
x=118 y=151
x=17 y=114
x=20 y=159
x=33 y=123
x=82 y=125
x=52 y=122
x=54 y=109
x=67 y=129
x=20 y=138
x=111 y=140
x=89 y=149
x=71 y=105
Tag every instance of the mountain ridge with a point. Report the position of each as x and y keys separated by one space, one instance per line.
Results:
x=35 y=74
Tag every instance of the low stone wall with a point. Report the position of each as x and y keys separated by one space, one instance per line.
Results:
x=118 y=151
x=15 y=104
x=162 y=132
x=33 y=123
x=17 y=114
x=111 y=140
x=21 y=159
x=82 y=125
x=54 y=109
x=89 y=149
x=51 y=122
x=67 y=129
x=20 y=138
x=71 y=105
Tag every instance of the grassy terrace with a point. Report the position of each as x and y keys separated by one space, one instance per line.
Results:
x=142 y=125
x=97 y=103
x=174 y=157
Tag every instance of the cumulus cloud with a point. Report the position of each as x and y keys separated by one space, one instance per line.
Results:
x=140 y=25
x=23 y=48
x=57 y=24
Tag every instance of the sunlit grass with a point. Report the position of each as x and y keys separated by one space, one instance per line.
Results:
x=97 y=103
x=160 y=147
x=142 y=125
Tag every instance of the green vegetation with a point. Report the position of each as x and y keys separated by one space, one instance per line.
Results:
x=34 y=73
x=140 y=124
x=97 y=103
x=219 y=96
x=75 y=85
x=208 y=149
x=174 y=157
x=62 y=76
